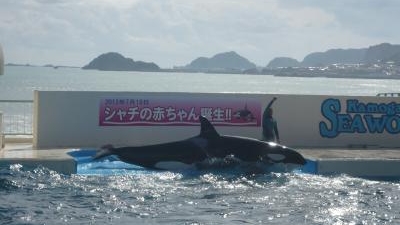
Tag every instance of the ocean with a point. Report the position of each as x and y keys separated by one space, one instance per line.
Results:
x=112 y=192
x=19 y=83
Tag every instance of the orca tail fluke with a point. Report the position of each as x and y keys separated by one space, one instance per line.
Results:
x=104 y=151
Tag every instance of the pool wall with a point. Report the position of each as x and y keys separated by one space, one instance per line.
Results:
x=65 y=119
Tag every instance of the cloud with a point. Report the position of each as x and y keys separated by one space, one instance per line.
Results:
x=174 y=32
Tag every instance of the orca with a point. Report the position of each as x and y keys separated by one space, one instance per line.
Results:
x=244 y=114
x=208 y=144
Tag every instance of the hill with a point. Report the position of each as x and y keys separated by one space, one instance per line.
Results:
x=382 y=53
x=113 y=61
x=283 y=62
x=222 y=61
x=378 y=53
x=333 y=56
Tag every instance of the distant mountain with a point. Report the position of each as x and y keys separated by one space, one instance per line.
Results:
x=280 y=62
x=222 y=61
x=377 y=53
x=113 y=61
x=347 y=56
x=383 y=52
x=395 y=58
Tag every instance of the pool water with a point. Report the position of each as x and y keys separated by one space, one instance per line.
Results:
x=112 y=192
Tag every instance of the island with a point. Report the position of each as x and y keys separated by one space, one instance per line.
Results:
x=113 y=61
x=380 y=61
x=377 y=62
x=226 y=61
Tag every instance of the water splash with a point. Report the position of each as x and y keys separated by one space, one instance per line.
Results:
x=145 y=196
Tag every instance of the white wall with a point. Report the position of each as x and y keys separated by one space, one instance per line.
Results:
x=71 y=119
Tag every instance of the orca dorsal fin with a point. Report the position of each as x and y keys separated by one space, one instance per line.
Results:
x=207 y=129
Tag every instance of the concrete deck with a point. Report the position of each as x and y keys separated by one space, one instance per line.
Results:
x=23 y=153
x=373 y=163
x=370 y=163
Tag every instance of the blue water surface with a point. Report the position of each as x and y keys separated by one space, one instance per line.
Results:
x=107 y=166
x=112 y=192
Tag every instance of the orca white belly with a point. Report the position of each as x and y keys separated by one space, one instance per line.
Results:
x=173 y=165
x=276 y=157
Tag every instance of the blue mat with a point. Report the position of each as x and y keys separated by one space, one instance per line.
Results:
x=111 y=165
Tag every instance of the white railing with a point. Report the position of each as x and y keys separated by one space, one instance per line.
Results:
x=389 y=94
x=1 y=131
x=17 y=117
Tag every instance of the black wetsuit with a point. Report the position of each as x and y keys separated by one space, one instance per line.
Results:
x=269 y=125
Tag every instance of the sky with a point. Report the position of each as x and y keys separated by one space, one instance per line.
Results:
x=175 y=32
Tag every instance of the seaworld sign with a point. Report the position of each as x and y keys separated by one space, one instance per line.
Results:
x=358 y=117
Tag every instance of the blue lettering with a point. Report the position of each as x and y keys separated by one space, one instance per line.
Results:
x=372 y=108
x=359 y=118
x=358 y=125
x=375 y=125
x=392 y=124
x=352 y=106
x=383 y=108
x=348 y=124
x=344 y=123
x=329 y=109
x=391 y=109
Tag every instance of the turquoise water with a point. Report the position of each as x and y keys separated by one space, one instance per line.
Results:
x=112 y=192
x=140 y=196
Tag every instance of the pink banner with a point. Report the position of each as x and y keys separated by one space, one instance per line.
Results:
x=164 y=111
